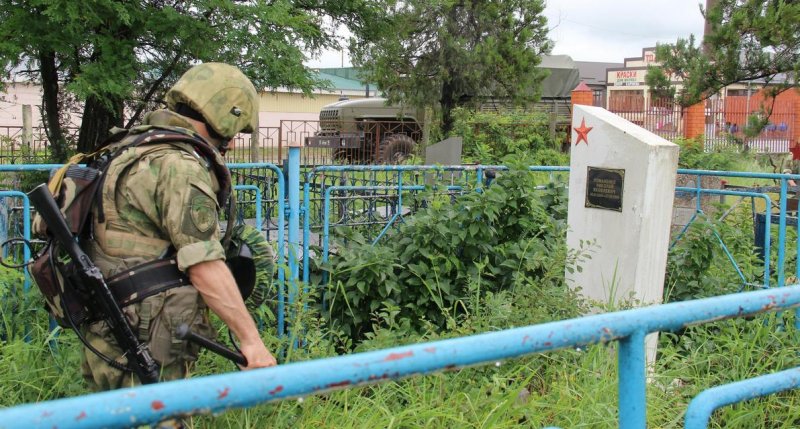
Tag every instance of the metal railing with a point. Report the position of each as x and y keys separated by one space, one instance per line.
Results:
x=218 y=393
x=148 y=404
x=782 y=216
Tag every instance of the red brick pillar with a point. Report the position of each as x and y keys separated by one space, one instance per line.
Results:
x=695 y=120
x=795 y=124
x=582 y=95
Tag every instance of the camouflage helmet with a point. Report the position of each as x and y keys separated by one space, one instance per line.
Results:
x=221 y=93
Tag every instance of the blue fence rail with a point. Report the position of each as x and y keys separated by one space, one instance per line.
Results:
x=782 y=215
x=214 y=394
x=217 y=393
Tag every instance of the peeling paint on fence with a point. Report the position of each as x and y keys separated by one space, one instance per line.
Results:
x=217 y=393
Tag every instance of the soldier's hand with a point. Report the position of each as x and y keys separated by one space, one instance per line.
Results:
x=257 y=355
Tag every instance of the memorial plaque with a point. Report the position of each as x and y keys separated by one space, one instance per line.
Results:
x=604 y=188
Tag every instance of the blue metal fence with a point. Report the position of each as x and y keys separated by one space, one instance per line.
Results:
x=148 y=404
x=782 y=216
x=26 y=230
x=214 y=394
x=266 y=198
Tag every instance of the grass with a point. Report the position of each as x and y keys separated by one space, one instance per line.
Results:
x=568 y=388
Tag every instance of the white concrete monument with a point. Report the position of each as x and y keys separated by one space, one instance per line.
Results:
x=621 y=190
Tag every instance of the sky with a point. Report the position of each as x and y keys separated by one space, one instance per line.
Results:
x=602 y=30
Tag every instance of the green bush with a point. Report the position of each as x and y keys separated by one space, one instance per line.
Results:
x=693 y=156
x=491 y=137
x=454 y=252
x=697 y=266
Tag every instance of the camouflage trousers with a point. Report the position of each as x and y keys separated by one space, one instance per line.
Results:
x=154 y=320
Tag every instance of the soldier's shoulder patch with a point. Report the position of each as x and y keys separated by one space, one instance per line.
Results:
x=202 y=211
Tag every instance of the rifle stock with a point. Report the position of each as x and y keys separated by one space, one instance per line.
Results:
x=145 y=367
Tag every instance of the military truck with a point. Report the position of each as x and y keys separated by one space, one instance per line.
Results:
x=368 y=131
x=371 y=131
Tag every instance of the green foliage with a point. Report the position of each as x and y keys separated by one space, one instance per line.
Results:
x=15 y=307
x=715 y=354
x=697 y=266
x=35 y=364
x=491 y=138
x=422 y=275
x=693 y=156
x=113 y=55
x=446 y=54
x=749 y=40
x=660 y=85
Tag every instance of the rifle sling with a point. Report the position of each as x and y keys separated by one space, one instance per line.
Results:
x=148 y=279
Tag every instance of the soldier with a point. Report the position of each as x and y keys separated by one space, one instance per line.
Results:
x=160 y=202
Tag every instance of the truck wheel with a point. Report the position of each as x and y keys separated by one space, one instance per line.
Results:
x=396 y=148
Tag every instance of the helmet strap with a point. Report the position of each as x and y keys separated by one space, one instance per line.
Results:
x=184 y=110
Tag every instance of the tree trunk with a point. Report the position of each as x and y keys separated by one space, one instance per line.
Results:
x=448 y=103
x=97 y=121
x=50 y=107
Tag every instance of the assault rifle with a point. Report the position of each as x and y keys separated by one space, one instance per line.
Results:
x=83 y=274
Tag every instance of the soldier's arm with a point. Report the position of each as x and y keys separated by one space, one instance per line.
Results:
x=216 y=284
x=189 y=216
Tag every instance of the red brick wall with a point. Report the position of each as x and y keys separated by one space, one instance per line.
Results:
x=695 y=117
x=796 y=125
x=582 y=95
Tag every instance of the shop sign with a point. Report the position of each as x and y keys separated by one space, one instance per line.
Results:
x=627 y=78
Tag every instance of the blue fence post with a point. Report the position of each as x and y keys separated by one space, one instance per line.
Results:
x=293 y=187
x=632 y=384
x=280 y=176
x=26 y=231
x=781 y=232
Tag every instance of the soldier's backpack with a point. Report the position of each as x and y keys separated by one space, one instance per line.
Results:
x=74 y=188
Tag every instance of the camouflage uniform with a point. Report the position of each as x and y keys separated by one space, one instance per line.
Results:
x=156 y=199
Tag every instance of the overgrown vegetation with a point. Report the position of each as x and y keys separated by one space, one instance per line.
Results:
x=698 y=266
x=694 y=156
x=489 y=259
x=522 y=136
x=440 y=265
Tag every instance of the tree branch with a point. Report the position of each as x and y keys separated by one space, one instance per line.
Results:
x=157 y=84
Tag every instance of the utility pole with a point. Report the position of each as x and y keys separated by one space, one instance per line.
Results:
x=27 y=126
x=707 y=30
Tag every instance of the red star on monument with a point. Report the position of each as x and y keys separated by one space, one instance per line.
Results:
x=583 y=133
x=795 y=150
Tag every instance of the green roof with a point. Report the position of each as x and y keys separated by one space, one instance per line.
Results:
x=345 y=78
x=563 y=78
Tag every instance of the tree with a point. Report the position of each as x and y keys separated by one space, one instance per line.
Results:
x=118 y=57
x=745 y=40
x=450 y=53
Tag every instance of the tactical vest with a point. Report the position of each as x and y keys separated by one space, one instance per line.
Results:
x=81 y=191
x=113 y=243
